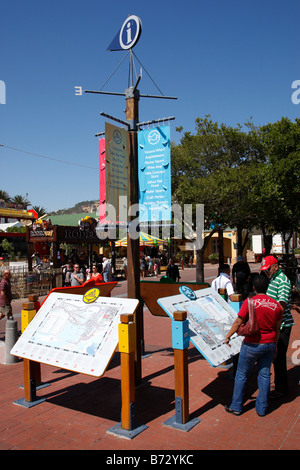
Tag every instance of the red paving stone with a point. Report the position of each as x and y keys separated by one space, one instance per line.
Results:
x=79 y=410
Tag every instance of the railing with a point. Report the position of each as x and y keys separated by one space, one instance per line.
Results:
x=33 y=282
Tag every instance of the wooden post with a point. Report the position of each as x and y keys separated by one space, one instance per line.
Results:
x=133 y=245
x=236 y=302
x=223 y=293
x=181 y=370
x=127 y=342
x=180 y=342
x=31 y=371
x=29 y=380
x=127 y=345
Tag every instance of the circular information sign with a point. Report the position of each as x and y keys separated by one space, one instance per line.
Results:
x=130 y=32
x=188 y=292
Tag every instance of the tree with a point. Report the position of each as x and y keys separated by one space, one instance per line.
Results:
x=281 y=186
x=21 y=200
x=4 y=196
x=40 y=210
x=216 y=167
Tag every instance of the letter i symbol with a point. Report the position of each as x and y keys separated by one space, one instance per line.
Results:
x=128 y=33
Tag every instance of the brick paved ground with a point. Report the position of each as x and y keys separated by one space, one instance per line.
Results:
x=79 y=410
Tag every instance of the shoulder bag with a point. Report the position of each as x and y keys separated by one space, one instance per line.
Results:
x=250 y=328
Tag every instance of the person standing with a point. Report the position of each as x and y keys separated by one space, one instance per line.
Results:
x=5 y=296
x=77 y=278
x=173 y=271
x=223 y=281
x=106 y=269
x=95 y=275
x=241 y=277
x=280 y=289
x=259 y=348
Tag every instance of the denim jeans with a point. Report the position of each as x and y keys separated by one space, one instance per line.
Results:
x=262 y=354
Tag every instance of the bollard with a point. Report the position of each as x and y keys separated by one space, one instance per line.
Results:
x=127 y=346
x=11 y=337
x=180 y=343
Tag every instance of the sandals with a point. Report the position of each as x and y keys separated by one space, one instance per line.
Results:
x=229 y=410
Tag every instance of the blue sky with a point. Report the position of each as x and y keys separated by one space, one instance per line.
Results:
x=233 y=59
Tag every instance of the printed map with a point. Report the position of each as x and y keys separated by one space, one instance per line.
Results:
x=71 y=334
x=210 y=318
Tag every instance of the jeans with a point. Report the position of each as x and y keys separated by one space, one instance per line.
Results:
x=250 y=354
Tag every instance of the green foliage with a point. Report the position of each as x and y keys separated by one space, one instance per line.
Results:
x=245 y=176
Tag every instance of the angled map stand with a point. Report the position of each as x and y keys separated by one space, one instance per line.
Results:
x=69 y=333
x=210 y=318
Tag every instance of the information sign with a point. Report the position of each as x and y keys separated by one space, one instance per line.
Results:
x=154 y=166
x=116 y=171
x=210 y=318
x=69 y=333
x=128 y=35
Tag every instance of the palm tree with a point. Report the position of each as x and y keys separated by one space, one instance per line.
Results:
x=39 y=210
x=21 y=200
x=4 y=196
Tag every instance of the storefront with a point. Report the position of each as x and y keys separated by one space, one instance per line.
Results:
x=47 y=241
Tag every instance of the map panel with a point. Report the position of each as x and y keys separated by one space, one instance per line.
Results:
x=68 y=333
x=210 y=318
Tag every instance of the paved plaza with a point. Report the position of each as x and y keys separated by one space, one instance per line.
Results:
x=79 y=410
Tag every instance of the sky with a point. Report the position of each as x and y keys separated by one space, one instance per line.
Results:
x=232 y=59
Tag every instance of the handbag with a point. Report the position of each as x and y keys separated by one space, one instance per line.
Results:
x=250 y=328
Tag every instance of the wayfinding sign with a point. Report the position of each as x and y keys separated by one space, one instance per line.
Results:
x=70 y=333
x=210 y=318
x=128 y=35
x=154 y=171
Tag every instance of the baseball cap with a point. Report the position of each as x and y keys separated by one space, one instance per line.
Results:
x=267 y=262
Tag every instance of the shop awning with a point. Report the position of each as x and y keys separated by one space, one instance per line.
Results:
x=145 y=240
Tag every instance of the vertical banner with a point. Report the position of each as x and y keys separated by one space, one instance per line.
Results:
x=116 y=172
x=102 y=192
x=154 y=166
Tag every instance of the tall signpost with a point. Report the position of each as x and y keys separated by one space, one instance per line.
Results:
x=133 y=243
x=126 y=39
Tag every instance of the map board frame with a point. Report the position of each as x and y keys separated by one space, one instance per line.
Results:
x=206 y=333
x=70 y=334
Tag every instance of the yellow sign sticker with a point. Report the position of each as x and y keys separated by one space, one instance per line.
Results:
x=91 y=295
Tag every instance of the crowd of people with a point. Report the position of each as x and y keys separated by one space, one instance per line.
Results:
x=75 y=271
x=270 y=291
x=271 y=294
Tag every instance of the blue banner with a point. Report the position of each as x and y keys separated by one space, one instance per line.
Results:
x=154 y=166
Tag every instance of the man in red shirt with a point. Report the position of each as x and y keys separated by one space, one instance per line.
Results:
x=258 y=349
x=5 y=296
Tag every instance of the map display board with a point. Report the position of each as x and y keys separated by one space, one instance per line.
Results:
x=69 y=333
x=210 y=318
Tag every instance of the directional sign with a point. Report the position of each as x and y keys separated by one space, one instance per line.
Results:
x=128 y=35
